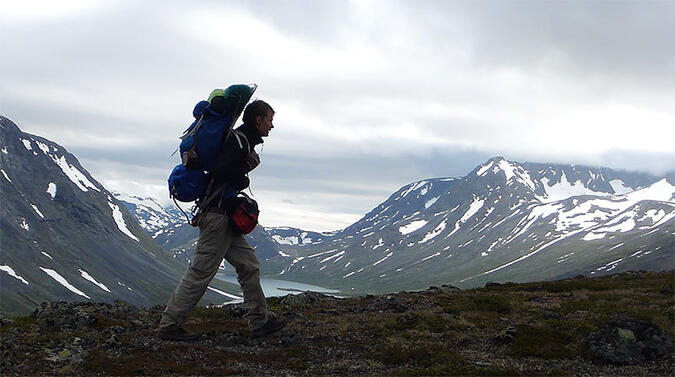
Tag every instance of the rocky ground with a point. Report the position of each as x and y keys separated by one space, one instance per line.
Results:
x=619 y=325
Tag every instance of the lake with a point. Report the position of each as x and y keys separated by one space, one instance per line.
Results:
x=275 y=287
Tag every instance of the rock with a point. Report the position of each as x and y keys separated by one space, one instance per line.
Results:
x=65 y=315
x=491 y=284
x=505 y=336
x=667 y=290
x=304 y=298
x=552 y=315
x=236 y=310
x=448 y=287
x=113 y=330
x=387 y=303
x=625 y=341
x=4 y=321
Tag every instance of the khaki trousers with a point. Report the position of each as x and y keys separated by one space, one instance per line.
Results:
x=217 y=241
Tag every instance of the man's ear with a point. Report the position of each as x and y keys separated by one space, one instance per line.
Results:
x=258 y=120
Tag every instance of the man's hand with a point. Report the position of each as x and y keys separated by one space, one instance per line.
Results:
x=252 y=160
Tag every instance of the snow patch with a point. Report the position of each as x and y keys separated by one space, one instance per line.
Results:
x=412 y=226
x=4 y=150
x=61 y=280
x=42 y=147
x=51 y=189
x=26 y=144
x=5 y=174
x=564 y=189
x=225 y=294
x=610 y=266
x=47 y=255
x=282 y=253
x=590 y=236
x=431 y=202
x=13 y=274
x=79 y=179
x=37 y=211
x=615 y=246
x=119 y=220
x=331 y=257
x=429 y=236
x=474 y=207
x=484 y=169
x=430 y=256
x=413 y=187
x=521 y=258
x=383 y=259
x=619 y=187
x=24 y=225
x=149 y=203
x=290 y=240
x=88 y=277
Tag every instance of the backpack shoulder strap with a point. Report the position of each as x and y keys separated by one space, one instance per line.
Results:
x=239 y=135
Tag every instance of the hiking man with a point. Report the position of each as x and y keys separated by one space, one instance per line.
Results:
x=216 y=239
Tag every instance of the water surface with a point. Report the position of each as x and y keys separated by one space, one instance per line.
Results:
x=276 y=287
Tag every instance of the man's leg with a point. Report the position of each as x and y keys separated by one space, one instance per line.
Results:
x=214 y=240
x=242 y=257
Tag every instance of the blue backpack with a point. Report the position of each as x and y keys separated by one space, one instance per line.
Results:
x=202 y=141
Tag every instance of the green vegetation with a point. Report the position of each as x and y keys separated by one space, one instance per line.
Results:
x=533 y=329
x=546 y=342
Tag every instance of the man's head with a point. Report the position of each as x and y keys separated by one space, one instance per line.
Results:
x=259 y=114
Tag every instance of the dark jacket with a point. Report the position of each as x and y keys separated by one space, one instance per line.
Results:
x=231 y=168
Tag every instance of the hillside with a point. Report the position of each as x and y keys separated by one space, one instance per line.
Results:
x=504 y=221
x=65 y=237
x=612 y=325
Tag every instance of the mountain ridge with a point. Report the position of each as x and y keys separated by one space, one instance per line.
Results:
x=490 y=221
x=65 y=237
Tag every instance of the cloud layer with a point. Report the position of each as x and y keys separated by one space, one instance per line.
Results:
x=369 y=95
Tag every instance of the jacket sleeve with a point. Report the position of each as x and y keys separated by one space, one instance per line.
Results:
x=231 y=165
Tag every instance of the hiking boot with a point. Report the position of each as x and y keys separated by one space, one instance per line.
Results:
x=175 y=332
x=272 y=325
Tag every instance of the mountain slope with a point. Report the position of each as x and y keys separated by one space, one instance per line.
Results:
x=166 y=225
x=503 y=221
x=65 y=237
x=170 y=229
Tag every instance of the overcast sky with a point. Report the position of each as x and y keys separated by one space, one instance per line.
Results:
x=369 y=95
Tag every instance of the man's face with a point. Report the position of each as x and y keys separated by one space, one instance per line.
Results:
x=264 y=124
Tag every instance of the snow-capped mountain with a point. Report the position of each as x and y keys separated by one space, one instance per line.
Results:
x=165 y=224
x=296 y=237
x=170 y=229
x=65 y=237
x=503 y=221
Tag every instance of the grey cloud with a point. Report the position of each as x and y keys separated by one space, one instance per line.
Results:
x=623 y=40
x=139 y=61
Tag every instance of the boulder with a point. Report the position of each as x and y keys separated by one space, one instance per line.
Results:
x=625 y=341
x=304 y=298
x=387 y=303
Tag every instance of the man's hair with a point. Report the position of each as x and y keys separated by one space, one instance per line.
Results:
x=254 y=109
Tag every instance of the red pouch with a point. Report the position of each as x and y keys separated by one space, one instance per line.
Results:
x=244 y=214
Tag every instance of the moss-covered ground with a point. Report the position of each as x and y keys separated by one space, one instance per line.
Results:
x=533 y=329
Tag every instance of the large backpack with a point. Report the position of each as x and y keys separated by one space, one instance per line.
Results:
x=202 y=141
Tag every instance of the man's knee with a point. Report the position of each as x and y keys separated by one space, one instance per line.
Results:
x=197 y=276
x=251 y=268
